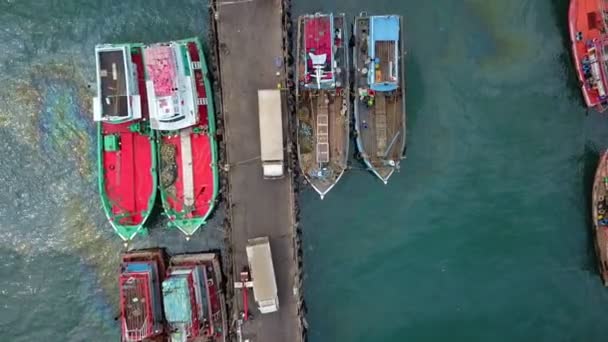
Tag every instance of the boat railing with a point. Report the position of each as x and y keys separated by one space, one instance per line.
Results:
x=601 y=49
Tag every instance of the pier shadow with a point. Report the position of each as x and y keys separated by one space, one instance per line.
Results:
x=559 y=11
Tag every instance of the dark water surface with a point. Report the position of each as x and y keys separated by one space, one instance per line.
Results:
x=483 y=235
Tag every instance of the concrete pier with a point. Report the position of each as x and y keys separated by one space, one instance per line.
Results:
x=249 y=38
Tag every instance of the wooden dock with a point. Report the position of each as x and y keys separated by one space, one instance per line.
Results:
x=249 y=36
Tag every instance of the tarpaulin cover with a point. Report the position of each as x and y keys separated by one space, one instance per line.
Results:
x=177 y=299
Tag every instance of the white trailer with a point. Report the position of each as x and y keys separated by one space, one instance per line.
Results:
x=262 y=271
x=271 y=132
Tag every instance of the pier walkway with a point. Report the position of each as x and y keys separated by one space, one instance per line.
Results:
x=249 y=38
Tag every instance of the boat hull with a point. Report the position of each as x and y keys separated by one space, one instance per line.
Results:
x=188 y=166
x=323 y=110
x=586 y=36
x=127 y=166
x=599 y=214
x=380 y=125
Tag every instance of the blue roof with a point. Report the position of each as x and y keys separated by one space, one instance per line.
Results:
x=385 y=27
x=177 y=300
x=137 y=267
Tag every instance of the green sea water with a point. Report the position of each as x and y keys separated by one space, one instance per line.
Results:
x=484 y=235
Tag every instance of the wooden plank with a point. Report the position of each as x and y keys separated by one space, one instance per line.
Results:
x=380 y=121
x=187 y=172
x=322 y=131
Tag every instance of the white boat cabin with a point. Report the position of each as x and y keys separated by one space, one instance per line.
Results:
x=171 y=88
x=117 y=97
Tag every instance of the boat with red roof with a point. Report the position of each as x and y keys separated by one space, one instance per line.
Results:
x=141 y=308
x=588 y=22
x=323 y=100
x=194 y=302
x=125 y=144
x=181 y=111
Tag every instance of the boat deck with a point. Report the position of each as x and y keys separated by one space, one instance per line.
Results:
x=323 y=114
x=600 y=215
x=188 y=177
x=114 y=96
x=380 y=125
x=129 y=181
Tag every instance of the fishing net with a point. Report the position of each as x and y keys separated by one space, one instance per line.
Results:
x=305 y=138
x=168 y=169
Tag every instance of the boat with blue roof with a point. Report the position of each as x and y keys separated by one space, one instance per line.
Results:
x=379 y=83
x=194 y=302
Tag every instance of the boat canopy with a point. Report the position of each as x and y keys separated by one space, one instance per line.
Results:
x=176 y=296
x=172 y=98
x=186 y=299
x=384 y=53
x=318 y=47
x=117 y=97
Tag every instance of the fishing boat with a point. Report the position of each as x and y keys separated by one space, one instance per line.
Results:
x=126 y=151
x=181 y=111
x=141 y=310
x=323 y=104
x=588 y=22
x=194 y=300
x=379 y=83
x=600 y=216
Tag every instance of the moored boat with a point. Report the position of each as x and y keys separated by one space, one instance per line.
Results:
x=194 y=299
x=141 y=311
x=181 y=110
x=600 y=215
x=379 y=82
x=323 y=105
x=587 y=21
x=125 y=145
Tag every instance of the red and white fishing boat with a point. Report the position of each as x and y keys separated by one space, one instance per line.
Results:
x=322 y=96
x=141 y=310
x=181 y=110
x=126 y=147
x=588 y=23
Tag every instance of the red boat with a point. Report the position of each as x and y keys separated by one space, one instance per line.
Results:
x=181 y=110
x=588 y=23
x=193 y=299
x=141 y=311
x=126 y=147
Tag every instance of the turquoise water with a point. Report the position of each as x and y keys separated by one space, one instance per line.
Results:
x=484 y=235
